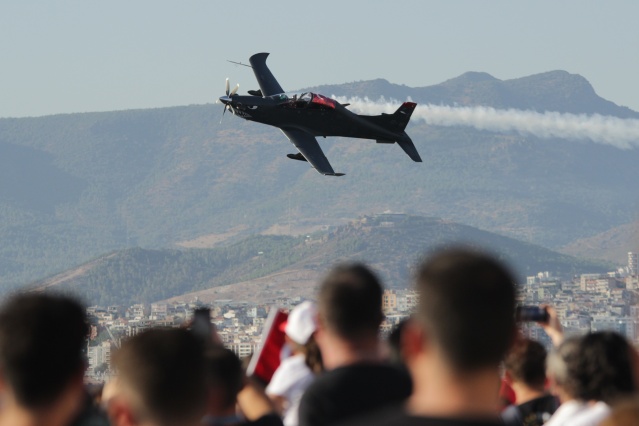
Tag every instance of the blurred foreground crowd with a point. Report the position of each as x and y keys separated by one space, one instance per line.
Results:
x=459 y=360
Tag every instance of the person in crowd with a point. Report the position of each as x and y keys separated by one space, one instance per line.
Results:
x=160 y=380
x=228 y=390
x=454 y=344
x=296 y=372
x=41 y=362
x=225 y=379
x=357 y=377
x=525 y=372
x=393 y=344
x=506 y=396
x=588 y=374
x=92 y=412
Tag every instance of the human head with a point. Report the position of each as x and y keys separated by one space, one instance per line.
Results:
x=466 y=308
x=41 y=341
x=300 y=324
x=594 y=367
x=350 y=302
x=225 y=379
x=394 y=342
x=160 y=379
x=604 y=367
x=561 y=369
x=525 y=363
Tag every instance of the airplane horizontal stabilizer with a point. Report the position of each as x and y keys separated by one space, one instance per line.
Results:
x=409 y=148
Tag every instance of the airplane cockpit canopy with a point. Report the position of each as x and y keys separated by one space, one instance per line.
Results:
x=304 y=100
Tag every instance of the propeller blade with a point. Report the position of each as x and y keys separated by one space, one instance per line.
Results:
x=223 y=112
x=234 y=91
x=227 y=87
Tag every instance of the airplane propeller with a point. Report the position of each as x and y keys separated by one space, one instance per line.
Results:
x=229 y=94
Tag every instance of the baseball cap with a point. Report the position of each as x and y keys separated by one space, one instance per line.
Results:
x=300 y=325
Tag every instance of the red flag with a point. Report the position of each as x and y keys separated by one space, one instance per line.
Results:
x=267 y=358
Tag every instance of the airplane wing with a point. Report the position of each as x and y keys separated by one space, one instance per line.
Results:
x=310 y=149
x=266 y=80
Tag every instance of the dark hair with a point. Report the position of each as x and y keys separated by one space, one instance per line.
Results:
x=41 y=341
x=165 y=368
x=350 y=301
x=467 y=304
x=313 y=356
x=224 y=373
x=526 y=363
x=395 y=342
x=604 y=367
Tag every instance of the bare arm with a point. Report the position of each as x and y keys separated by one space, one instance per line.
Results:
x=253 y=401
x=553 y=327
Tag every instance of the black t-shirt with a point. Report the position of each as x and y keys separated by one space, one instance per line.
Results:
x=266 y=420
x=351 y=390
x=535 y=412
x=396 y=416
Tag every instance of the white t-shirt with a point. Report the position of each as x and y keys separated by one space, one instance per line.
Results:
x=290 y=381
x=577 y=413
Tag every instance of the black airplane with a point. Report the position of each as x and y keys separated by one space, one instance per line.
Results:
x=302 y=117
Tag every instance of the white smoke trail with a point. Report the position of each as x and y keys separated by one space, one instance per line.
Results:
x=618 y=132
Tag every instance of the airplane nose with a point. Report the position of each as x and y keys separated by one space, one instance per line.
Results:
x=225 y=100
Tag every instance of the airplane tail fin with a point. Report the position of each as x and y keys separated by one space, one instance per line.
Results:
x=397 y=122
x=401 y=117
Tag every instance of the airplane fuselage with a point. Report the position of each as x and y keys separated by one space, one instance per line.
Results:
x=326 y=117
x=305 y=116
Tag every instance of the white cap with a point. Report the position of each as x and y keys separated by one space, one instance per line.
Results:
x=300 y=324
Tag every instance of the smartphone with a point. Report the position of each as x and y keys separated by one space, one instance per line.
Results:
x=201 y=325
x=532 y=314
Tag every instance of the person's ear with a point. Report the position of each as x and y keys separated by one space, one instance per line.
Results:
x=413 y=340
x=120 y=413
x=508 y=378
x=320 y=327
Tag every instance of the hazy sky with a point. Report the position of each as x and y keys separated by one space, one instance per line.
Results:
x=87 y=55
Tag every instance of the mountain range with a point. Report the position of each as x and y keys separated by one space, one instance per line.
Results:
x=76 y=186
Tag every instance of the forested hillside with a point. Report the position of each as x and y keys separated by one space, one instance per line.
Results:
x=392 y=244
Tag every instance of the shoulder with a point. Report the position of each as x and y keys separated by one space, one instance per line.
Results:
x=361 y=375
x=592 y=415
x=511 y=416
x=290 y=372
x=378 y=371
x=566 y=412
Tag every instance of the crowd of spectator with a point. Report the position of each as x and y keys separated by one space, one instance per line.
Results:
x=459 y=360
